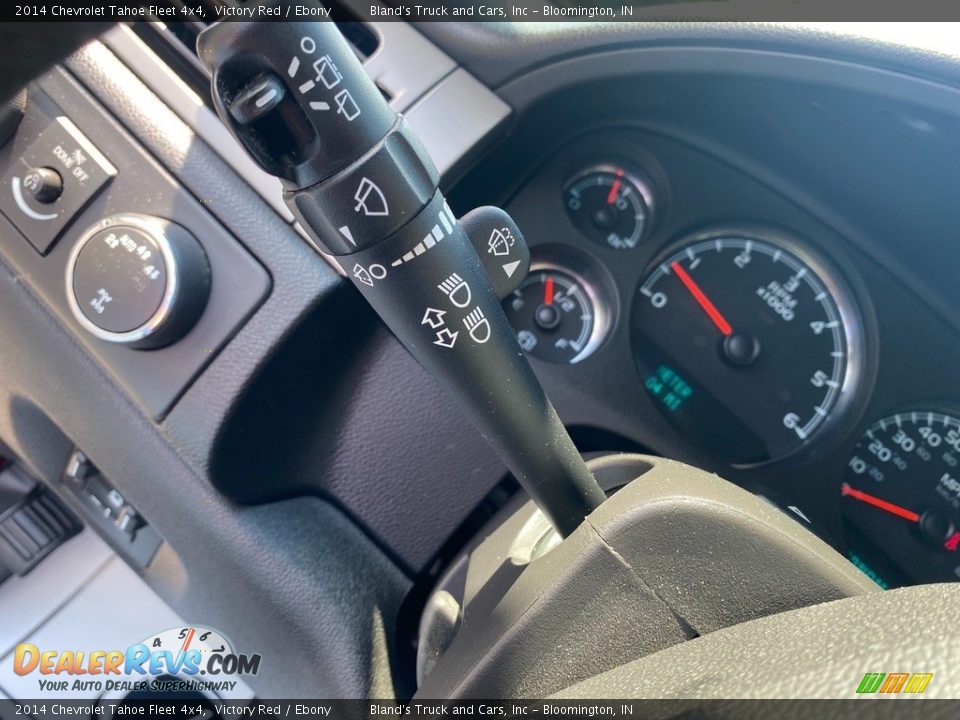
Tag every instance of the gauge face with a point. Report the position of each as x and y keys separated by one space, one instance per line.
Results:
x=745 y=345
x=556 y=315
x=202 y=639
x=609 y=206
x=901 y=499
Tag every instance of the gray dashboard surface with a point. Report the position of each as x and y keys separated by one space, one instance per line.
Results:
x=814 y=652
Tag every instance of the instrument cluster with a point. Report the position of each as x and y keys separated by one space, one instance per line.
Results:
x=685 y=305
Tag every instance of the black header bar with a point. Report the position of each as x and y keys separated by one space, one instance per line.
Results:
x=582 y=11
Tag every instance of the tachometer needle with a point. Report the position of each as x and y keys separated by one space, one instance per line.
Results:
x=548 y=291
x=848 y=491
x=708 y=307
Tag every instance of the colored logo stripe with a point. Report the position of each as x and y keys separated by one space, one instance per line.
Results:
x=870 y=683
x=894 y=683
x=918 y=682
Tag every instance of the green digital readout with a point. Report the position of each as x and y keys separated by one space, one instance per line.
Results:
x=669 y=387
x=868 y=571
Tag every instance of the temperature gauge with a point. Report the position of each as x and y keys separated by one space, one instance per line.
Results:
x=610 y=206
x=557 y=315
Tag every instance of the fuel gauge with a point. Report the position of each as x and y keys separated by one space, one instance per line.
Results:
x=557 y=315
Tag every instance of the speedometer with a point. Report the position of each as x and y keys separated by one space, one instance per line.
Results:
x=901 y=499
x=747 y=344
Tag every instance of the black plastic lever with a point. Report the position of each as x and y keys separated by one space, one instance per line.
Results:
x=364 y=188
x=441 y=305
x=294 y=94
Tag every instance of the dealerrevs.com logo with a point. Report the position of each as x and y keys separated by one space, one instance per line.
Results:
x=894 y=683
x=180 y=655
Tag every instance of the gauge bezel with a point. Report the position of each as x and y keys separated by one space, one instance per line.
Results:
x=844 y=298
x=602 y=314
x=156 y=230
x=638 y=179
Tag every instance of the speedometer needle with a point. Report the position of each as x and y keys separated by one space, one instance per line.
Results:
x=708 y=307
x=848 y=491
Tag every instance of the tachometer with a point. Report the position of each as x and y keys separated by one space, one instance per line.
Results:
x=747 y=344
x=901 y=499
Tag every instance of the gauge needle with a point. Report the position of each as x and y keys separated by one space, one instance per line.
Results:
x=615 y=188
x=848 y=491
x=188 y=640
x=548 y=291
x=952 y=542
x=708 y=307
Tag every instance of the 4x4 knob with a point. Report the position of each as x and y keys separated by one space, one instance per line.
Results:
x=137 y=280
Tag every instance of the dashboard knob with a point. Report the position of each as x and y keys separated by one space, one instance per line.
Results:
x=43 y=184
x=137 y=280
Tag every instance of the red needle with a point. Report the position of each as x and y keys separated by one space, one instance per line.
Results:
x=189 y=638
x=615 y=188
x=952 y=542
x=848 y=491
x=548 y=291
x=708 y=307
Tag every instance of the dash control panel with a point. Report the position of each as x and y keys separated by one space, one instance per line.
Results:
x=138 y=280
x=51 y=181
x=135 y=267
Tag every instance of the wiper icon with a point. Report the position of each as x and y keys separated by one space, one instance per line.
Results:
x=371 y=206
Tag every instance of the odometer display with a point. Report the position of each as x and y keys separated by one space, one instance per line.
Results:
x=746 y=345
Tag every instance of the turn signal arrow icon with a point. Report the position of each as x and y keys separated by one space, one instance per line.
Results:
x=445 y=338
x=433 y=317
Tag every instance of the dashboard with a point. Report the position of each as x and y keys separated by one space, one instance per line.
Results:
x=693 y=309
x=743 y=258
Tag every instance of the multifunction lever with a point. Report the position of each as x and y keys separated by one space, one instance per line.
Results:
x=363 y=186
